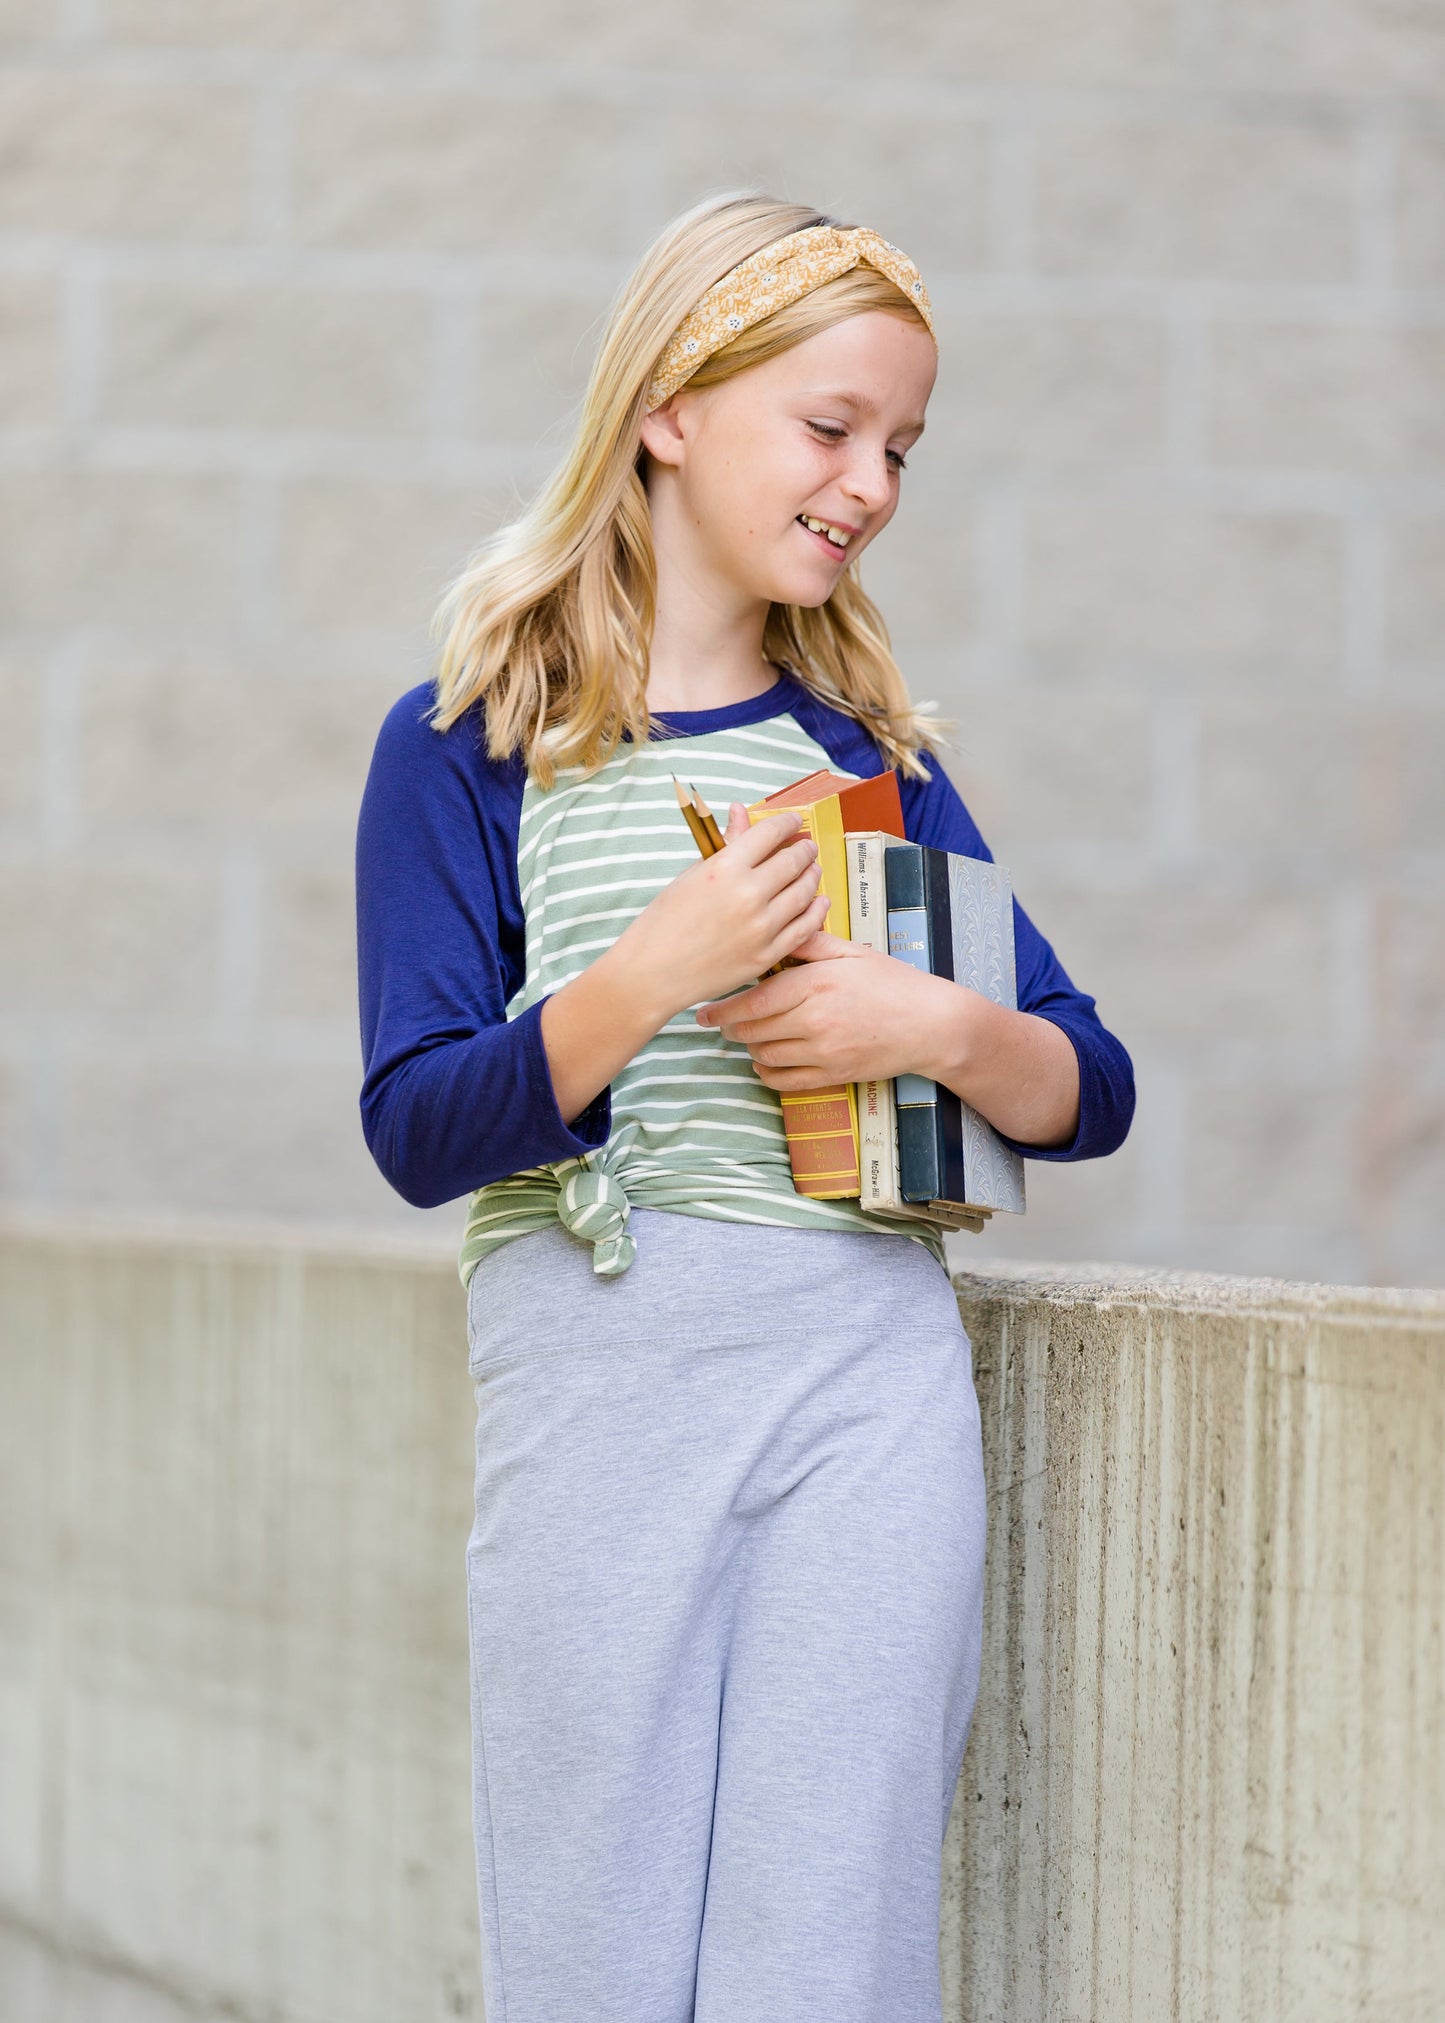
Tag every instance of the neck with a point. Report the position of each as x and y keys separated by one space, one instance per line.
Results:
x=707 y=635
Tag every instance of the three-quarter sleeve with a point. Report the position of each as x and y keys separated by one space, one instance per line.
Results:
x=935 y=814
x=454 y=1094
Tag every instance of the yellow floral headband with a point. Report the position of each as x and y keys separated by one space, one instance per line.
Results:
x=770 y=279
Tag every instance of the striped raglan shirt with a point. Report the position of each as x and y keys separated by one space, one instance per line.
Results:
x=708 y=1135
x=478 y=895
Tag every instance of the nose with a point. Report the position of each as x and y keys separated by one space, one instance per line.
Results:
x=870 y=478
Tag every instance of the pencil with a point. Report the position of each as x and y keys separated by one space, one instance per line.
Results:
x=704 y=842
x=707 y=818
x=709 y=839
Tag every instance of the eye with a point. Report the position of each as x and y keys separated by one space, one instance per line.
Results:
x=832 y=433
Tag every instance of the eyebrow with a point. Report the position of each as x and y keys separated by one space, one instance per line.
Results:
x=859 y=401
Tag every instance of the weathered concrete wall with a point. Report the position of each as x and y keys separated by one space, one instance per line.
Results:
x=233 y=1675
x=1207 y=1779
x=295 y=296
x=1207 y=1776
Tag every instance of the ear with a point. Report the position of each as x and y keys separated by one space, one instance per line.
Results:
x=662 y=435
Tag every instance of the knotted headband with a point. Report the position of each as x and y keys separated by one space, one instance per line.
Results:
x=770 y=279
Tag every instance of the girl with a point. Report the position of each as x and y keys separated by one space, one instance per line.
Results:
x=725 y=1578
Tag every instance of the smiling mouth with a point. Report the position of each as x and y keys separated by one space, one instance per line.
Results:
x=836 y=539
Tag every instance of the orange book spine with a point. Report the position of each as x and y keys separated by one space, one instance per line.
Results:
x=822 y=1124
x=822 y=1132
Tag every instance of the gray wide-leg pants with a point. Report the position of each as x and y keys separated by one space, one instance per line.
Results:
x=725 y=1588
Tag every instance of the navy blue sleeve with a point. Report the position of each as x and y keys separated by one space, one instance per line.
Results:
x=934 y=813
x=454 y=1095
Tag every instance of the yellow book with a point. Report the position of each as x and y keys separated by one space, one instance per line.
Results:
x=822 y=1124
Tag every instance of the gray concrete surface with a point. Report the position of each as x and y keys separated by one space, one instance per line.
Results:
x=295 y=296
x=1207 y=1775
x=1207 y=1779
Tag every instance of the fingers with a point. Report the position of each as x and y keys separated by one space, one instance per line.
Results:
x=825 y=947
x=784 y=1053
x=792 y=1081
x=778 y=851
x=760 y=839
x=764 y=1000
x=791 y=873
x=790 y=924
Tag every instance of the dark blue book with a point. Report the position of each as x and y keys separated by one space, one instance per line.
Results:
x=953 y=916
x=920 y=932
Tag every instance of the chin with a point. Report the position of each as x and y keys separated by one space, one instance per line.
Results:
x=804 y=590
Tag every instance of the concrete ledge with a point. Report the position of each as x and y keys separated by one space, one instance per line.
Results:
x=1110 y=1285
x=1207 y=1778
x=145 y=1233
x=1207 y=1773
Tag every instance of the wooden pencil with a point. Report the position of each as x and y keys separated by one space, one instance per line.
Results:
x=707 y=818
x=700 y=836
x=709 y=839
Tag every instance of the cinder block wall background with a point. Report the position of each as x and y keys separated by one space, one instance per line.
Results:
x=294 y=297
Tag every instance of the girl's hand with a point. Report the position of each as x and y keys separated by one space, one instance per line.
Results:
x=848 y=1014
x=728 y=917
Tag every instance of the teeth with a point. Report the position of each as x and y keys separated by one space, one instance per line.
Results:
x=834 y=534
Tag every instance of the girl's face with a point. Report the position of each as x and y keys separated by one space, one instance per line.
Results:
x=817 y=434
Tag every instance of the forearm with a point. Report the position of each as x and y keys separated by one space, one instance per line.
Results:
x=594 y=1025
x=727 y=918
x=1018 y=1071
x=855 y=1016
x=449 y=1116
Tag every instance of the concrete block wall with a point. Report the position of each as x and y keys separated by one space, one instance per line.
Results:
x=294 y=299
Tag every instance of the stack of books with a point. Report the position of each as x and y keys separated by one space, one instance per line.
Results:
x=907 y=1147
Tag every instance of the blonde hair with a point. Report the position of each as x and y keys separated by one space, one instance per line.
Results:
x=548 y=626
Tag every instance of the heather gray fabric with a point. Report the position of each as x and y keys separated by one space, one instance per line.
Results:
x=725 y=1589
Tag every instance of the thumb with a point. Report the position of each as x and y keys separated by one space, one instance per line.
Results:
x=824 y=947
x=738 y=823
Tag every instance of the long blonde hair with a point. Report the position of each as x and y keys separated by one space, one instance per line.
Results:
x=547 y=628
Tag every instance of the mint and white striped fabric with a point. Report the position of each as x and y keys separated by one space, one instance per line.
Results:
x=693 y=1129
